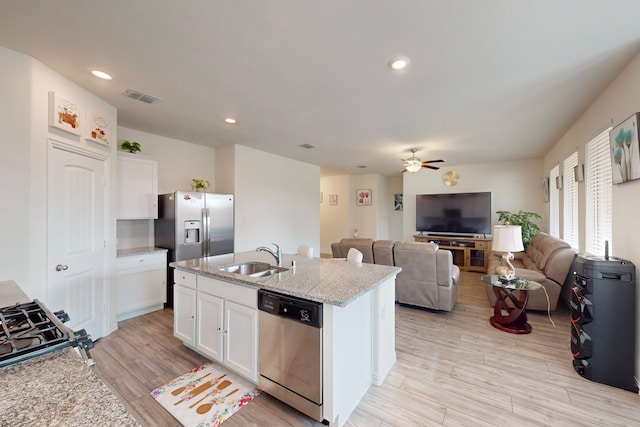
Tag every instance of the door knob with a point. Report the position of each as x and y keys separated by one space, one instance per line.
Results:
x=61 y=267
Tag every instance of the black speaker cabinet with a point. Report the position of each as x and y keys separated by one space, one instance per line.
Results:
x=603 y=320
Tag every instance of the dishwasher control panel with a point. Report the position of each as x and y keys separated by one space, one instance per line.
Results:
x=297 y=309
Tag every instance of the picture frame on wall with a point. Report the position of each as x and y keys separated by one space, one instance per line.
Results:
x=64 y=113
x=397 y=202
x=333 y=199
x=625 y=156
x=98 y=129
x=545 y=189
x=364 y=197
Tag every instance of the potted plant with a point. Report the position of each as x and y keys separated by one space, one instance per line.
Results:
x=199 y=184
x=132 y=147
x=524 y=220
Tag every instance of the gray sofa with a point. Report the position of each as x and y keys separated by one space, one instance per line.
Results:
x=428 y=278
x=547 y=261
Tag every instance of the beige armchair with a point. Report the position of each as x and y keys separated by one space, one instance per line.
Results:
x=428 y=278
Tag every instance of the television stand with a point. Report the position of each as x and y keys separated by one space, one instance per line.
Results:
x=470 y=254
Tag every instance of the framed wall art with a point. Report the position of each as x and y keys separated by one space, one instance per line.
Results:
x=363 y=197
x=64 y=113
x=625 y=158
x=333 y=199
x=397 y=202
x=545 y=189
x=98 y=129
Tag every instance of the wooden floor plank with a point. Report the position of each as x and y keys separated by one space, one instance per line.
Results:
x=452 y=369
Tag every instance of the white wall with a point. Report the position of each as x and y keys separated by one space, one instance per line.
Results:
x=378 y=221
x=335 y=219
x=276 y=201
x=25 y=136
x=395 y=218
x=15 y=167
x=178 y=161
x=613 y=106
x=514 y=186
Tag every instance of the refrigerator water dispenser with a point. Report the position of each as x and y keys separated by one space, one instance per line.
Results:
x=192 y=231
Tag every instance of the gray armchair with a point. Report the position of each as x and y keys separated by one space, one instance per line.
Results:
x=428 y=278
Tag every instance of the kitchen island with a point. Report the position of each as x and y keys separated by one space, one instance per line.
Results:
x=358 y=334
x=57 y=388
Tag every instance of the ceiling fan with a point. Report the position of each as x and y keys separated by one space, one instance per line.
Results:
x=413 y=163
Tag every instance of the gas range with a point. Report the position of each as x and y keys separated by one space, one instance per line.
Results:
x=29 y=330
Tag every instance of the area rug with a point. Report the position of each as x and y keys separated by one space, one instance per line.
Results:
x=205 y=396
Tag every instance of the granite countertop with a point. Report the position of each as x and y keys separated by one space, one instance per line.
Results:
x=327 y=280
x=139 y=251
x=56 y=389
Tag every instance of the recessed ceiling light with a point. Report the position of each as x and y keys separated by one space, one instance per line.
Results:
x=101 y=74
x=399 y=63
x=230 y=120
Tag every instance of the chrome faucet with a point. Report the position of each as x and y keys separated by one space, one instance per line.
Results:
x=277 y=254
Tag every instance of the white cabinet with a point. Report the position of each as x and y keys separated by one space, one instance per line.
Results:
x=137 y=187
x=210 y=326
x=241 y=339
x=141 y=284
x=219 y=320
x=184 y=307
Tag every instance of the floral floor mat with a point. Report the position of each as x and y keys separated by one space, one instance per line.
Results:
x=205 y=396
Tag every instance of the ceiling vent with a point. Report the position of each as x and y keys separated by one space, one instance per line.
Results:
x=134 y=94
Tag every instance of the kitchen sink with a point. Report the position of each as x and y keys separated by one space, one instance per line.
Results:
x=252 y=269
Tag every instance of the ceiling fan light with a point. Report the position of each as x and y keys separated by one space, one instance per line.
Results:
x=413 y=166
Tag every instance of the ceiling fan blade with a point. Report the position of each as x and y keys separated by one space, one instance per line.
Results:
x=432 y=161
x=431 y=167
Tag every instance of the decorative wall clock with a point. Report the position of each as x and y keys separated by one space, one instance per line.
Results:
x=451 y=178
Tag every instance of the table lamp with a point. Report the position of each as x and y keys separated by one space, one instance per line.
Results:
x=507 y=238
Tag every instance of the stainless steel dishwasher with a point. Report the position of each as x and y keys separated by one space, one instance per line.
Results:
x=290 y=351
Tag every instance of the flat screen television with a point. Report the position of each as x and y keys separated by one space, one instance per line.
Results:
x=454 y=213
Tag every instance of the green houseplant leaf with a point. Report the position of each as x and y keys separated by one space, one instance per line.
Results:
x=132 y=147
x=524 y=220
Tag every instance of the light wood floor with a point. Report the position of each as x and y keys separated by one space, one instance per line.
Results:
x=453 y=369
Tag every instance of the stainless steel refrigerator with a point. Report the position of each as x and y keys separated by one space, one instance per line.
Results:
x=193 y=225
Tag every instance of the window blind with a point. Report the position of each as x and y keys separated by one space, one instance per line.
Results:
x=554 y=203
x=570 y=202
x=598 y=194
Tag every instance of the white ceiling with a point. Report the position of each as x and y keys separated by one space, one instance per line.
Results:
x=490 y=80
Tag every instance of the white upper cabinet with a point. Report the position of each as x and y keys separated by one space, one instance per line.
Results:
x=137 y=187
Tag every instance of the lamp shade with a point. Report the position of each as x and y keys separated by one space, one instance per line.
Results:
x=507 y=238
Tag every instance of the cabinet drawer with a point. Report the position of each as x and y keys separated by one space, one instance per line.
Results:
x=229 y=291
x=185 y=279
x=152 y=260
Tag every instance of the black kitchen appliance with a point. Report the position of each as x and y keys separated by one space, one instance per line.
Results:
x=603 y=320
x=29 y=330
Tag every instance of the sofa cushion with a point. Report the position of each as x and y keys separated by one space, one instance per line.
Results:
x=383 y=252
x=528 y=263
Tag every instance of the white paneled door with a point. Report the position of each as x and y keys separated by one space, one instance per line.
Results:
x=77 y=254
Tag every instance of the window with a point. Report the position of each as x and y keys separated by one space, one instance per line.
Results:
x=570 y=202
x=554 y=202
x=598 y=194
